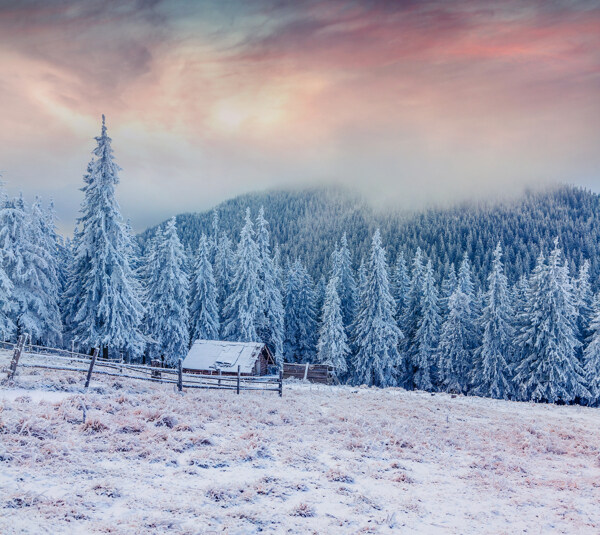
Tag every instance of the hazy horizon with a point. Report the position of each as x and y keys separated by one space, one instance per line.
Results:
x=408 y=103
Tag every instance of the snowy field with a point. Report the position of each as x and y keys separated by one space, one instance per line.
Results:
x=319 y=460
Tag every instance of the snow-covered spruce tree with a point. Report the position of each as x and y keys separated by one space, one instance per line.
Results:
x=400 y=285
x=473 y=309
x=320 y=293
x=271 y=324
x=478 y=307
x=223 y=270
x=13 y=241
x=213 y=240
x=361 y=286
x=167 y=297
x=377 y=333
x=7 y=304
x=30 y=264
x=204 y=311
x=61 y=246
x=584 y=298
x=491 y=374
x=291 y=321
x=591 y=357
x=519 y=296
x=341 y=270
x=279 y=272
x=361 y=299
x=413 y=315
x=550 y=370
x=448 y=286
x=7 y=326
x=68 y=305
x=455 y=348
x=45 y=284
x=103 y=287
x=427 y=335
x=243 y=304
x=300 y=316
x=332 y=348
x=459 y=336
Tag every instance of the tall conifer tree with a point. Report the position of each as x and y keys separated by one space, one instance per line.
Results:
x=271 y=327
x=342 y=271
x=243 y=304
x=377 y=334
x=400 y=285
x=103 y=287
x=332 y=348
x=455 y=349
x=204 y=312
x=591 y=357
x=167 y=293
x=427 y=335
x=300 y=315
x=491 y=374
x=550 y=370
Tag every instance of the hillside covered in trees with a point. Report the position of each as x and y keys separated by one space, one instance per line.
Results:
x=496 y=300
x=307 y=224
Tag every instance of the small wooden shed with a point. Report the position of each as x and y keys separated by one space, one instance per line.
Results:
x=314 y=373
x=216 y=357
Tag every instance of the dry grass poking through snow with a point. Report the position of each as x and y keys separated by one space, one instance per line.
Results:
x=319 y=460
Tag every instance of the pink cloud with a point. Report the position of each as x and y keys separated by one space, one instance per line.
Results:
x=272 y=91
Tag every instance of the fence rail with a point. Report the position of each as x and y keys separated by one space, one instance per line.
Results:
x=32 y=356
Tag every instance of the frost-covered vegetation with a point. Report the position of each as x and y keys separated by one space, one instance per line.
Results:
x=462 y=314
x=307 y=224
x=146 y=459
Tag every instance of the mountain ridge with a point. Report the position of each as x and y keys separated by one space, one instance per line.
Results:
x=307 y=223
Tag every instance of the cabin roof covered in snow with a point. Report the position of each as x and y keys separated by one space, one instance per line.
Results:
x=221 y=355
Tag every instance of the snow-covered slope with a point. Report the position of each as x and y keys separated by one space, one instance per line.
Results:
x=319 y=460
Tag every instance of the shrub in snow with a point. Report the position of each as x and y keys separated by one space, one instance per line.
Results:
x=304 y=510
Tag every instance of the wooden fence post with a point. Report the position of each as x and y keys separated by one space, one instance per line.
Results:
x=16 y=356
x=281 y=382
x=238 y=380
x=220 y=376
x=92 y=362
x=155 y=363
x=180 y=375
x=306 y=371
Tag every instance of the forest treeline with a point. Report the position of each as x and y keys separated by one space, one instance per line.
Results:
x=482 y=307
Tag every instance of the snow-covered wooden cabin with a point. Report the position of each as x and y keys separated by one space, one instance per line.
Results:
x=215 y=356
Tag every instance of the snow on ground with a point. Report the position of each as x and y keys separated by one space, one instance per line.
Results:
x=319 y=460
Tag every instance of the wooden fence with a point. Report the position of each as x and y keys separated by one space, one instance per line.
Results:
x=30 y=356
x=315 y=373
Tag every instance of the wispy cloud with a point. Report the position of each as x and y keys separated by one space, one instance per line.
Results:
x=422 y=100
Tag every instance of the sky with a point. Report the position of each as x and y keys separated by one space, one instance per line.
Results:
x=410 y=102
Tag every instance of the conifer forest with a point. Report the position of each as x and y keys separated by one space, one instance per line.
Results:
x=495 y=300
